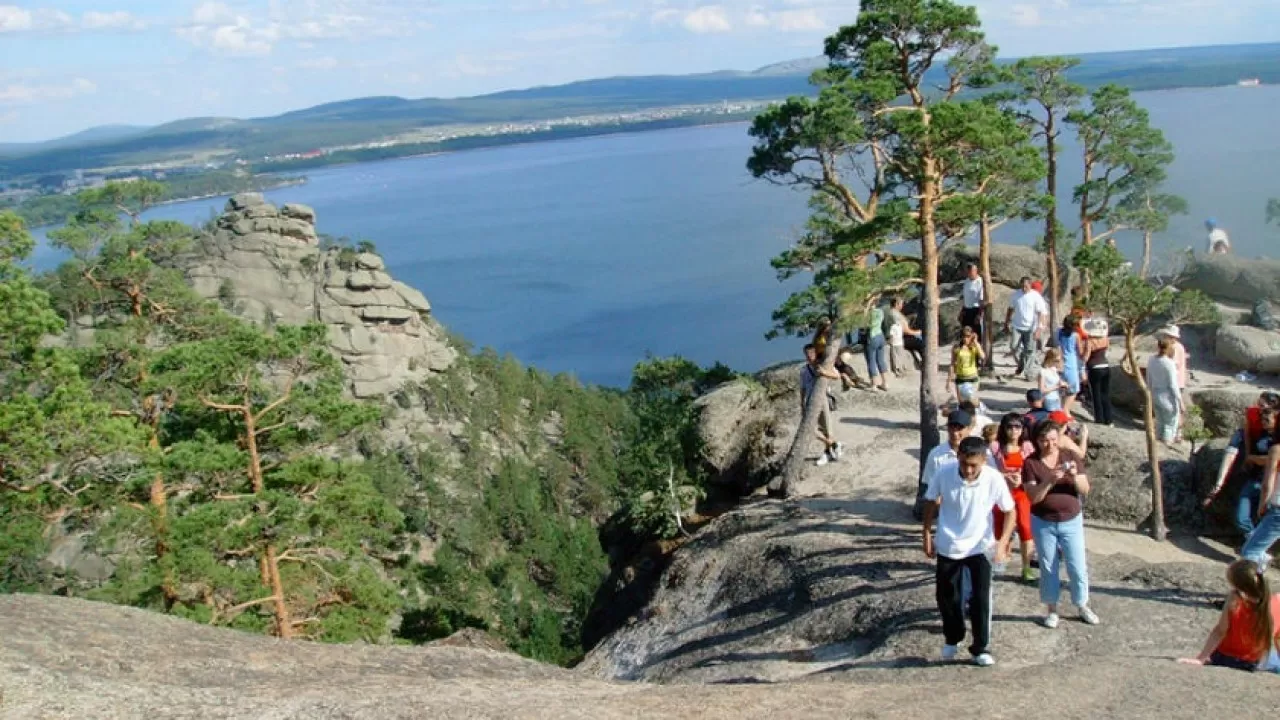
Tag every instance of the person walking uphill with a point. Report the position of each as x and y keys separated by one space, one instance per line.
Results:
x=1028 y=317
x=960 y=498
x=1055 y=480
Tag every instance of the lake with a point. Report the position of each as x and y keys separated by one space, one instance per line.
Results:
x=585 y=255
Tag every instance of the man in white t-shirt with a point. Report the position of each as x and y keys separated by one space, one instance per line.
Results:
x=961 y=497
x=972 y=295
x=1028 y=318
x=1217 y=243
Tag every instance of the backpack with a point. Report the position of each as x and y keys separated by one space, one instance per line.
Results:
x=886 y=325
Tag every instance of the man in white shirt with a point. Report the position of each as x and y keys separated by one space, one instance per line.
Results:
x=1028 y=318
x=1217 y=242
x=972 y=296
x=960 y=498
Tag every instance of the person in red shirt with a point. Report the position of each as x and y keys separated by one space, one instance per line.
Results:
x=1244 y=440
x=1249 y=625
x=1008 y=451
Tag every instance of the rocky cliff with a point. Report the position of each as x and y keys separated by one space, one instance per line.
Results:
x=266 y=264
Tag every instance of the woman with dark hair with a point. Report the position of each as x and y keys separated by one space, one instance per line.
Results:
x=1249 y=626
x=1009 y=451
x=1055 y=481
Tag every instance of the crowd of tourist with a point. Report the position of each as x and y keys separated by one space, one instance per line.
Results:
x=1025 y=475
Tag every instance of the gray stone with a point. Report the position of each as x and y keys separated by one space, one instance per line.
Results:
x=1249 y=348
x=369 y=261
x=298 y=230
x=298 y=211
x=1009 y=264
x=412 y=297
x=1234 y=278
x=353 y=340
x=386 y=312
x=368 y=280
x=244 y=201
x=242 y=227
x=265 y=210
x=69 y=555
x=1223 y=410
x=371 y=389
x=729 y=418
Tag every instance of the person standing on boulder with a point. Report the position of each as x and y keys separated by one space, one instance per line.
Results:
x=973 y=295
x=1055 y=480
x=1028 y=316
x=809 y=374
x=960 y=498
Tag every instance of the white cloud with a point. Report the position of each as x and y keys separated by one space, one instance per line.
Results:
x=14 y=19
x=707 y=19
x=241 y=31
x=320 y=63
x=118 y=20
x=1026 y=15
x=18 y=94
x=786 y=20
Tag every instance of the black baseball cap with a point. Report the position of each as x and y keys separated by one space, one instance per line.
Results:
x=959 y=418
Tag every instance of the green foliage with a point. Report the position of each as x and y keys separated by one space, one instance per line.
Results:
x=1125 y=160
x=1130 y=302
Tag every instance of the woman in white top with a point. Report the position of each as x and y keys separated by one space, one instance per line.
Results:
x=1051 y=382
x=1166 y=400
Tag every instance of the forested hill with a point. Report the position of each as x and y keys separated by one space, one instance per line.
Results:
x=370 y=119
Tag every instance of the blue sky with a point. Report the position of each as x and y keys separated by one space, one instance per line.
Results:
x=70 y=64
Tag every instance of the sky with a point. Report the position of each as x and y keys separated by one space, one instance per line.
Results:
x=72 y=64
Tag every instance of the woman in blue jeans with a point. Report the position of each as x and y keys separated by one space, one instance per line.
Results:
x=1055 y=481
x=877 y=351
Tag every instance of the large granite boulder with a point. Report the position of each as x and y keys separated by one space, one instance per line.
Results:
x=1009 y=264
x=1223 y=410
x=266 y=265
x=1249 y=348
x=1233 y=278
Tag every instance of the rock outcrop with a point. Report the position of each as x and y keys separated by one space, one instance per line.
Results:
x=1232 y=278
x=66 y=658
x=1253 y=349
x=266 y=264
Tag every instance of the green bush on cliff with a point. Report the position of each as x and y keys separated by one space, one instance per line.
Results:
x=216 y=470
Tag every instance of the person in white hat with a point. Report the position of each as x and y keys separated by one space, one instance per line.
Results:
x=1174 y=334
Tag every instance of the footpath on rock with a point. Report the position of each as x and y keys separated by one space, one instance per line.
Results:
x=820 y=606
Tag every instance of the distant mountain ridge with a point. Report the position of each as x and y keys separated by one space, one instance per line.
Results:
x=370 y=119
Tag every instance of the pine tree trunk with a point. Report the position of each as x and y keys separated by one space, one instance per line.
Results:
x=1051 y=225
x=929 y=437
x=251 y=444
x=284 y=623
x=984 y=267
x=793 y=466
x=1146 y=253
x=1158 y=530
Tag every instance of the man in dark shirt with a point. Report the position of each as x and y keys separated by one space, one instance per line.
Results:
x=1036 y=415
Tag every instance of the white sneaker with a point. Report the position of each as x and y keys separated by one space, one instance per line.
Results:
x=1089 y=617
x=1050 y=621
x=949 y=652
x=984 y=660
x=822 y=460
x=838 y=450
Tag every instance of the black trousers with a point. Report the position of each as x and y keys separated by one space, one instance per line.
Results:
x=1100 y=393
x=972 y=317
x=951 y=603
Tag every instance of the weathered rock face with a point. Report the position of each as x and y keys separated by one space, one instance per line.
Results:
x=1223 y=410
x=1234 y=278
x=1009 y=264
x=266 y=265
x=1249 y=348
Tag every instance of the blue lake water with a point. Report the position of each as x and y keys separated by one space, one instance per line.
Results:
x=584 y=255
